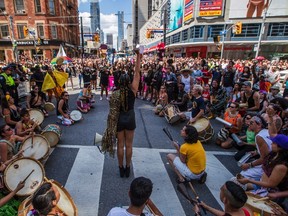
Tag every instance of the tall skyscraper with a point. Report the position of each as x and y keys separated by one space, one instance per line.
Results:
x=109 y=39
x=95 y=15
x=120 y=29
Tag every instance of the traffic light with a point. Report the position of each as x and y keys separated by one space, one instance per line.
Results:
x=148 y=34
x=96 y=37
x=39 y=41
x=238 y=28
x=216 y=39
x=37 y=49
x=26 y=31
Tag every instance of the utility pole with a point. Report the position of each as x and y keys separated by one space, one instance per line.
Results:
x=82 y=38
x=14 y=44
x=165 y=25
x=261 y=31
x=223 y=40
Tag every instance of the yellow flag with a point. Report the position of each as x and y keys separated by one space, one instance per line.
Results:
x=49 y=83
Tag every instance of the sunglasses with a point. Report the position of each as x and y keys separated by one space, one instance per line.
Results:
x=248 y=118
x=232 y=106
x=66 y=95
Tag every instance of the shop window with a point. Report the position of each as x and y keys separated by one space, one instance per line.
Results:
x=249 y=30
x=40 y=30
x=176 y=38
x=214 y=30
x=38 y=6
x=185 y=35
x=196 y=31
x=278 y=29
x=20 y=30
x=4 y=30
x=19 y=6
x=53 y=32
x=52 y=7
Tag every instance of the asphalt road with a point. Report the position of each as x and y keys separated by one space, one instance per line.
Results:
x=92 y=178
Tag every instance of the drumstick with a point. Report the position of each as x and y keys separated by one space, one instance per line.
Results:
x=27 y=148
x=167 y=133
x=197 y=197
x=28 y=176
x=182 y=189
x=32 y=140
x=223 y=121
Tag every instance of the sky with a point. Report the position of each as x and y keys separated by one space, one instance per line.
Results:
x=108 y=19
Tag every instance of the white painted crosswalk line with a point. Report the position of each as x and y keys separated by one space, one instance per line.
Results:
x=148 y=163
x=84 y=180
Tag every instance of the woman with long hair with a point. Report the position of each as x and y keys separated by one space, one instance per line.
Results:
x=10 y=112
x=126 y=121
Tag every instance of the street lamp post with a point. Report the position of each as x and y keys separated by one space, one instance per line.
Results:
x=82 y=39
x=261 y=32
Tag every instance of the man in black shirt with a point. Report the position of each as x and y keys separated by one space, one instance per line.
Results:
x=182 y=98
x=198 y=104
x=228 y=78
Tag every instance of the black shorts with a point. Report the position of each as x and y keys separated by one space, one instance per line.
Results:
x=126 y=121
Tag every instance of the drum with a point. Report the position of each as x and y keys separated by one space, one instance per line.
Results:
x=65 y=205
x=19 y=170
x=171 y=114
x=49 y=107
x=76 y=115
x=36 y=115
x=36 y=146
x=204 y=129
x=261 y=207
x=52 y=133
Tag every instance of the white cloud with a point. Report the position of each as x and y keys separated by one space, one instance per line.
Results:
x=108 y=22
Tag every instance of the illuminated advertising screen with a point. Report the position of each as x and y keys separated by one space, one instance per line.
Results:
x=176 y=14
x=208 y=8
x=188 y=11
x=255 y=8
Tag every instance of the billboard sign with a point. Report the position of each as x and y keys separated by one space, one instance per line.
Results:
x=208 y=8
x=188 y=11
x=255 y=8
x=176 y=14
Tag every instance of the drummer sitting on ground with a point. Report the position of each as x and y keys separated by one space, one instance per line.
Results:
x=63 y=109
x=9 y=144
x=26 y=126
x=45 y=200
x=198 y=104
x=36 y=99
x=191 y=162
x=182 y=98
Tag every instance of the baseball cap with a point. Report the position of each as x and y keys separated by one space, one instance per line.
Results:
x=281 y=140
x=247 y=83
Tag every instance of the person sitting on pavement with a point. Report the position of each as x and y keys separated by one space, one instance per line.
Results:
x=139 y=193
x=250 y=97
x=84 y=99
x=26 y=126
x=191 y=160
x=233 y=197
x=182 y=98
x=63 y=109
x=10 y=112
x=162 y=101
x=217 y=99
x=232 y=116
x=36 y=99
x=198 y=104
x=44 y=201
x=275 y=110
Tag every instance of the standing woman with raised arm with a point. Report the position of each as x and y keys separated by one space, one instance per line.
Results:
x=126 y=122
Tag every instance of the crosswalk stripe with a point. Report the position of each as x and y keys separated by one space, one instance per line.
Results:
x=85 y=178
x=84 y=181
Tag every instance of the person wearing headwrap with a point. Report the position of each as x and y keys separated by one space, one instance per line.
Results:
x=122 y=111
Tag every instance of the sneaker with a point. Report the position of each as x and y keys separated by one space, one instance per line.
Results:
x=107 y=98
x=101 y=98
x=203 y=178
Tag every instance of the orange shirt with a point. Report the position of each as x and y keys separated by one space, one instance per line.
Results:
x=232 y=120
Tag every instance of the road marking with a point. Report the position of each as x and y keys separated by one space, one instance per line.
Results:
x=88 y=167
x=85 y=180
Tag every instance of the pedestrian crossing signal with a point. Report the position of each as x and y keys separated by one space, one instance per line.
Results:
x=238 y=28
x=25 y=31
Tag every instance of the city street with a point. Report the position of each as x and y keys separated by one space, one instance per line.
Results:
x=93 y=178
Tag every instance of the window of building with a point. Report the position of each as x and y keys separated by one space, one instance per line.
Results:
x=38 y=6
x=196 y=31
x=167 y=40
x=185 y=35
x=52 y=7
x=249 y=30
x=54 y=32
x=19 y=6
x=20 y=30
x=214 y=30
x=40 y=30
x=2 y=6
x=176 y=38
x=4 y=30
x=278 y=29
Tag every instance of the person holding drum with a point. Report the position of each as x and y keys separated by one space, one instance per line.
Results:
x=36 y=99
x=9 y=144
x=232 y=116
x=233 y=198
x=191 y=160
x=198 y=104
x=44 y=201
x=26 y=126
x=182 y=98
x=250 y=97
x=217 y=99
x=63 y=109
x=10 y=112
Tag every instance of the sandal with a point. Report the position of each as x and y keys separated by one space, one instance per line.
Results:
x=184 y=181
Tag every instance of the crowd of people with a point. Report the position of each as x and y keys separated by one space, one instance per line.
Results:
x=248 y=95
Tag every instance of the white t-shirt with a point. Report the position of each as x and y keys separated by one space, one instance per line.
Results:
x=117 y=211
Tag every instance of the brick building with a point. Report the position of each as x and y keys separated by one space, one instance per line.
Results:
x=54 y=21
